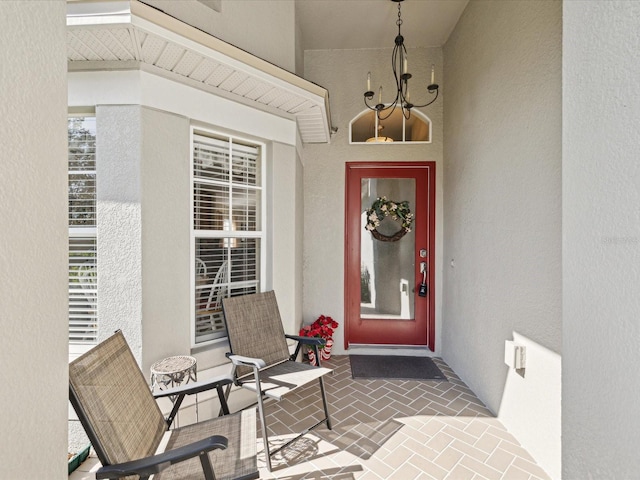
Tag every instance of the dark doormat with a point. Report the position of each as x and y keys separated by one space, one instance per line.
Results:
x=395 y=367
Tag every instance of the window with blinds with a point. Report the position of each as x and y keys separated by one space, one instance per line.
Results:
x=227 y=228
x=83 y=288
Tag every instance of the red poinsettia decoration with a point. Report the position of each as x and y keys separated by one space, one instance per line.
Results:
x=323 y=327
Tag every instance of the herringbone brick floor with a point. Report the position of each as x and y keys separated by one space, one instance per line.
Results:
x=385 y=429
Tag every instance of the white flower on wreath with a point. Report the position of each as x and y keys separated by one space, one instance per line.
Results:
x=382 y=208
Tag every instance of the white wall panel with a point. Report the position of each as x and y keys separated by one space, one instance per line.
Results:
x=166 y=220
x=286 y=229
x=502 y=194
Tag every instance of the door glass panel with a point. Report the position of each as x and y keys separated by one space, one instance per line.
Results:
x=387 y=269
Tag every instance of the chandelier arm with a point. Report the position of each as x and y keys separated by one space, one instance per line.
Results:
x=437 y=90
x=376 y=108
x=398 y=98
x=367 y=104
x=394 y=60
x=391 y=108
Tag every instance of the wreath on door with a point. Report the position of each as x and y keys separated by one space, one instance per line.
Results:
x=398 y=211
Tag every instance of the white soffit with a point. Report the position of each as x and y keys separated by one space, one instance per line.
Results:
x=115 y=35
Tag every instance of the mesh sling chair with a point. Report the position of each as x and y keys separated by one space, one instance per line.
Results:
x=130 y=435
x=261 y=358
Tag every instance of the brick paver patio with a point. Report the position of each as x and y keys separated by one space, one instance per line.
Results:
x=383 y=429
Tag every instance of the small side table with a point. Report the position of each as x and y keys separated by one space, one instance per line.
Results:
x=173 y=371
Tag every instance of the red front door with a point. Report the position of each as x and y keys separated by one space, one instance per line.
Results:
x=389 y=245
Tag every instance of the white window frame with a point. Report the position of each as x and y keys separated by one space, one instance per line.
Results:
x=261 y=234
x=404 y=141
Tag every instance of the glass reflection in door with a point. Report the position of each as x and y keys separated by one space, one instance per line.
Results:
x=387 y=279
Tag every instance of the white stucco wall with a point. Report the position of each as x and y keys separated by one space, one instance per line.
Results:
x=166 y=243
x=119 y=222
x=33 y=242
x=285 y=230
x=266 y=29
x=299 y=242
x=144 y=208
x=601 y=249
x=502 y=240
x=344 y=74
x=299 y=50
x=144 y=205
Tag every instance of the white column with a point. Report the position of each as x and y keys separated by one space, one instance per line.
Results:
x=33 y=240
x=601 y=240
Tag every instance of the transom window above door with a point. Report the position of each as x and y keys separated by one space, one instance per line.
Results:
x=366 y=128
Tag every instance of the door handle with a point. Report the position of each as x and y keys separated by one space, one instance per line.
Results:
x=422 y=291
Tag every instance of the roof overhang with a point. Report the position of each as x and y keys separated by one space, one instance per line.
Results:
x=112 y=35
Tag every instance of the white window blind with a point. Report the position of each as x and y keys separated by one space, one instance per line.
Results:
x=83 y=286
x=227 y=230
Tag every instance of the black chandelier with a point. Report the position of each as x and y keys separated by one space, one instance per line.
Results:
x=401 y=74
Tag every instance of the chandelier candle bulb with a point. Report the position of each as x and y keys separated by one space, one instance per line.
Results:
x=433 y=74
x=380 y=95
x=368 y=81
x=406 y=66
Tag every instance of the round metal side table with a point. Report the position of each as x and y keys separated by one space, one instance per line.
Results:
x=173 y=371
